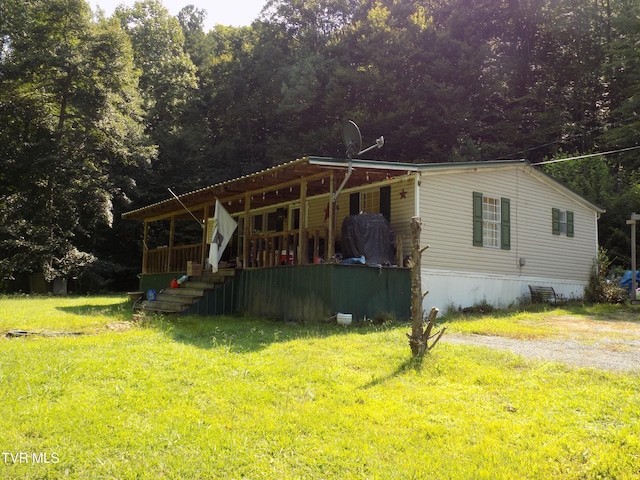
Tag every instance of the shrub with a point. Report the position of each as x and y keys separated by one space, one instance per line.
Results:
x=600 y=289
x=479 y=308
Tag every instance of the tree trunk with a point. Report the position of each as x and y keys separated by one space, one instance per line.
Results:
x=417 y=312
x=420 y=336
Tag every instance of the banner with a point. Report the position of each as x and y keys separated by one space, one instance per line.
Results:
x=223 y=227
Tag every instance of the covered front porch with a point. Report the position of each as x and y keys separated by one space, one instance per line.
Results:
x=289 y=217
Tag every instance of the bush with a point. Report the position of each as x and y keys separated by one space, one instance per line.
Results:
x=600 y=289
x=479 y=308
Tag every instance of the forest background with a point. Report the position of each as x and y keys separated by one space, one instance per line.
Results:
x=100 y=115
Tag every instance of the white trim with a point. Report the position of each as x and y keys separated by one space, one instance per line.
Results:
x=560 y=188
x=451 y=289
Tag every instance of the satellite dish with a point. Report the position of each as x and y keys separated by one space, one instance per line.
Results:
x=353 y=140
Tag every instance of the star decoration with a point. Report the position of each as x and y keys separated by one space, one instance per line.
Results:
x=403 y=193
x=326 y=211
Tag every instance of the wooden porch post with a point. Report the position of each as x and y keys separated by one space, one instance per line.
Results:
x=172 y=229
x=203 y=253
x=247 y=231
x=145 y=248
x=303 y=236
x=634 y=284
x=332 y=210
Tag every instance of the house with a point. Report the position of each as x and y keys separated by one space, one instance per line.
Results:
x=493 y=228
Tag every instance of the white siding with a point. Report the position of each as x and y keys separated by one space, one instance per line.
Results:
x=446 y=208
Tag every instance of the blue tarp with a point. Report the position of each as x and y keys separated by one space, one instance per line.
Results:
x=625 y=282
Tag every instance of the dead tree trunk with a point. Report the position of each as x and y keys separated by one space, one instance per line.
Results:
x=420 y=333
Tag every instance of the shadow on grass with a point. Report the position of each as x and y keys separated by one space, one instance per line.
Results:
x=243 y=334
x=235 y=333
x=411 y=363
x=116 y=310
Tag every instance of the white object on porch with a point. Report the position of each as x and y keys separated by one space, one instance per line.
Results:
x=223 y=227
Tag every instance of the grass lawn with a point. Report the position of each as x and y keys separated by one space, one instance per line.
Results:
x=237 y=397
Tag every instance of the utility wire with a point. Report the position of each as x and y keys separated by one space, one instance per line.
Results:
x=575 y=136
x=185 y=207
x=587 y=156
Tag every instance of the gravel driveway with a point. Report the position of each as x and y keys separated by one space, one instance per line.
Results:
x=603 y=353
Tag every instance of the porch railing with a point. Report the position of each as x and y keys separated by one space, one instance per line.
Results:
x=265 y=250
x=286 y=248
x=169 y=260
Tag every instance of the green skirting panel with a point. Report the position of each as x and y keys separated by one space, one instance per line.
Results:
x=316 y=292
x=221 y=301
x=288 y=292
x=306 y=292
x=368 y=291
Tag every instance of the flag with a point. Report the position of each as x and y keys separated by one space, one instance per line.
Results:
x=223 y=227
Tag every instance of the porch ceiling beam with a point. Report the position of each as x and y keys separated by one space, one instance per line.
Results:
x=281 y=179
x=225 y=198
x=283 y=185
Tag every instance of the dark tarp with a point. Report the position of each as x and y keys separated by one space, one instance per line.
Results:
x=368 y=234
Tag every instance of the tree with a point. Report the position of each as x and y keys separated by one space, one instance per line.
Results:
x=71 y=134
x=192 y=22
x=174 y=115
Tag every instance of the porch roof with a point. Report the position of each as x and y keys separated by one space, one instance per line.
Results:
x=282 y=183
x=274 y=185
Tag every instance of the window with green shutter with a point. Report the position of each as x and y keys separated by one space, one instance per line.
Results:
x=561 y=222
x=491 y=221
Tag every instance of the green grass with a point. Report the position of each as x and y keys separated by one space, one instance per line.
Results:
x=70 y=314
x=546 y=321
x=238 y=397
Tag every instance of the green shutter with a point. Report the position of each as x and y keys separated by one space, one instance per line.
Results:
x=477 y=219
x=385 y=202
x=354 y=203
x=555 y=221
x=505 y=225
x=569 y=224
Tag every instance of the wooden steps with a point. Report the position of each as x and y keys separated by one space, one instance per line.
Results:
x=177 y=300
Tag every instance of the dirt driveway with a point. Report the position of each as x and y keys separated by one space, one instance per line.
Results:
x=607 y=344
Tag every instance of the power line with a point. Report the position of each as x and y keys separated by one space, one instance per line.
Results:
x=575 y=136
x=587 y=156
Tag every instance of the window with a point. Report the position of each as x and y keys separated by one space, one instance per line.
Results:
x=370 y=201
x=491 y=221
x=257 y=223
x=272 y=221
x=374 y=201
x=561 y=222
